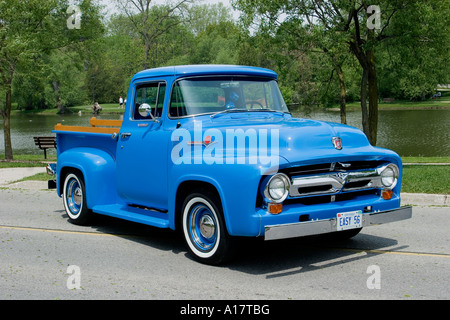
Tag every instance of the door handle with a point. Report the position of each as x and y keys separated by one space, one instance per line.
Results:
x=125 y=135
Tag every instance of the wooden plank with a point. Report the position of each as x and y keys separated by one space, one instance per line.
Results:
x=109 y=123
x=60 y=127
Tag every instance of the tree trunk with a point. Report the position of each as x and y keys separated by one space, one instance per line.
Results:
x=364 y=110
x=7 y=123
x=340 y=74
x=373 y=98
x=147 y=44
x=61 y=108
x=369 y=92
x=363 y=51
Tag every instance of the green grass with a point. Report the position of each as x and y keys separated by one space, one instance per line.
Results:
x=26 y=160
x=426 y=159
x=443 y=102
x=37 y=177
x=106 y=108
x=426 y=179
x=20 y=164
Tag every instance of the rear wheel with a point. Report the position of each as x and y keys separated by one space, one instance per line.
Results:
x=204 y=229
x=74 y=198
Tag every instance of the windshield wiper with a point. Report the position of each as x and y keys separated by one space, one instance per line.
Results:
x=244 y=110
x=228 y=111
x=269 y=110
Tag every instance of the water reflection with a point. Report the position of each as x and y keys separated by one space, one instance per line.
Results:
x=25 y=126
x=408 y=132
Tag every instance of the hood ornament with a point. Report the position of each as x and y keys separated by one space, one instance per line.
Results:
x=337 y=142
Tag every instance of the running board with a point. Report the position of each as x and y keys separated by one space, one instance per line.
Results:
x=148 y=217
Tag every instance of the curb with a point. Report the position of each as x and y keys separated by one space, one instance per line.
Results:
x=424 y=199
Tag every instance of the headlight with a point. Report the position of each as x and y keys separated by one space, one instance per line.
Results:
x=389 y=176
x=277 y=188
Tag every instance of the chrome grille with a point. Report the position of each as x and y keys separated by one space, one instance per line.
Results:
x=340 y=177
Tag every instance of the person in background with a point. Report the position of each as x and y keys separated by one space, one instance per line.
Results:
x=120 y=102
x=96 y=108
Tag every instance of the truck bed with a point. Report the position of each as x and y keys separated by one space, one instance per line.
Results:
x=95 y=137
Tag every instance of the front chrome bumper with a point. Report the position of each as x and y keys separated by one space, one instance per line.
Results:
x=309 y=228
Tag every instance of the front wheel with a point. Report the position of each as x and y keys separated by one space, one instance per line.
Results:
x=74 y=198
x=204 y=229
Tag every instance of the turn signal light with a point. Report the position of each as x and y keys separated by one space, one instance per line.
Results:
x=275 y=208
x=387 y=194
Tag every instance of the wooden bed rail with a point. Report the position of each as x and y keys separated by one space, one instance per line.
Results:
x=97 y=126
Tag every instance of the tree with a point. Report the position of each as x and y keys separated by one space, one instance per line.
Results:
x=337 y=22
x=414 y=57
x=359 y=27
x=313 y=39
x=199 y=17
x=151 y=24
x=22 y=24
x=29 y=31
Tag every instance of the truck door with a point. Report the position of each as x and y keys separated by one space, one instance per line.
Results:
x=142 y=149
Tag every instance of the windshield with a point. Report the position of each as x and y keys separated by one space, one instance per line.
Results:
x=211 y=95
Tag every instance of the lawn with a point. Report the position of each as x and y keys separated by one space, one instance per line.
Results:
x=426 y=159
x=426 y=179
x=26 y=160
x=438 y=103
x=106 y=108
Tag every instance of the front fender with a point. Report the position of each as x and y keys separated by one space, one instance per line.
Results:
x=237 y=186
x=98 y=169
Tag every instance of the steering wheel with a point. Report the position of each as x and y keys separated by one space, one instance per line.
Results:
x=254 y=105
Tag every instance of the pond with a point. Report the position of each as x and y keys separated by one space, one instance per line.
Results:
x=407 y=132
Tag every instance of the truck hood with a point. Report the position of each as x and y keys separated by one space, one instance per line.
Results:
x=300 y=141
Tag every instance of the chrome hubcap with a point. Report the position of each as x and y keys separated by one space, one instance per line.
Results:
x=202 y=226
x=207 y=227
x=74 y=196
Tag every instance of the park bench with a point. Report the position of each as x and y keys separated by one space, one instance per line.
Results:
x=389 y=100
x=45 y=143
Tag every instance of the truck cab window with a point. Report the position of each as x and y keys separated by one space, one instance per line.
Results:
x=151 y=94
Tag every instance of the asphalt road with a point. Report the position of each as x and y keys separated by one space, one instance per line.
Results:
x=43 y=256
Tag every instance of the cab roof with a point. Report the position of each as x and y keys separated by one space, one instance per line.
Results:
x=205 y=70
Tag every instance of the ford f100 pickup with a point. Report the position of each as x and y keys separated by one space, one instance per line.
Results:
x=213 y=151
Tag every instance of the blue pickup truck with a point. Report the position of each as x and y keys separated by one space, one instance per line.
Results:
x=212 y=151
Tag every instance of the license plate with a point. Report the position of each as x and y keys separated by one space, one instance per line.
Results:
x=349 y=220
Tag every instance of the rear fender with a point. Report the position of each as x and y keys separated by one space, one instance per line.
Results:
x=98 y=169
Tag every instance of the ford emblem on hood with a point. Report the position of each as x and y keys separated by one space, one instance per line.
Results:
x=337 y=142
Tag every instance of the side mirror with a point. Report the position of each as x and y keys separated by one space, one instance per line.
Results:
x=145 y=110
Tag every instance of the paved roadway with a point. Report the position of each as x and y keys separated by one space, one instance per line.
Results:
x=120 y=260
